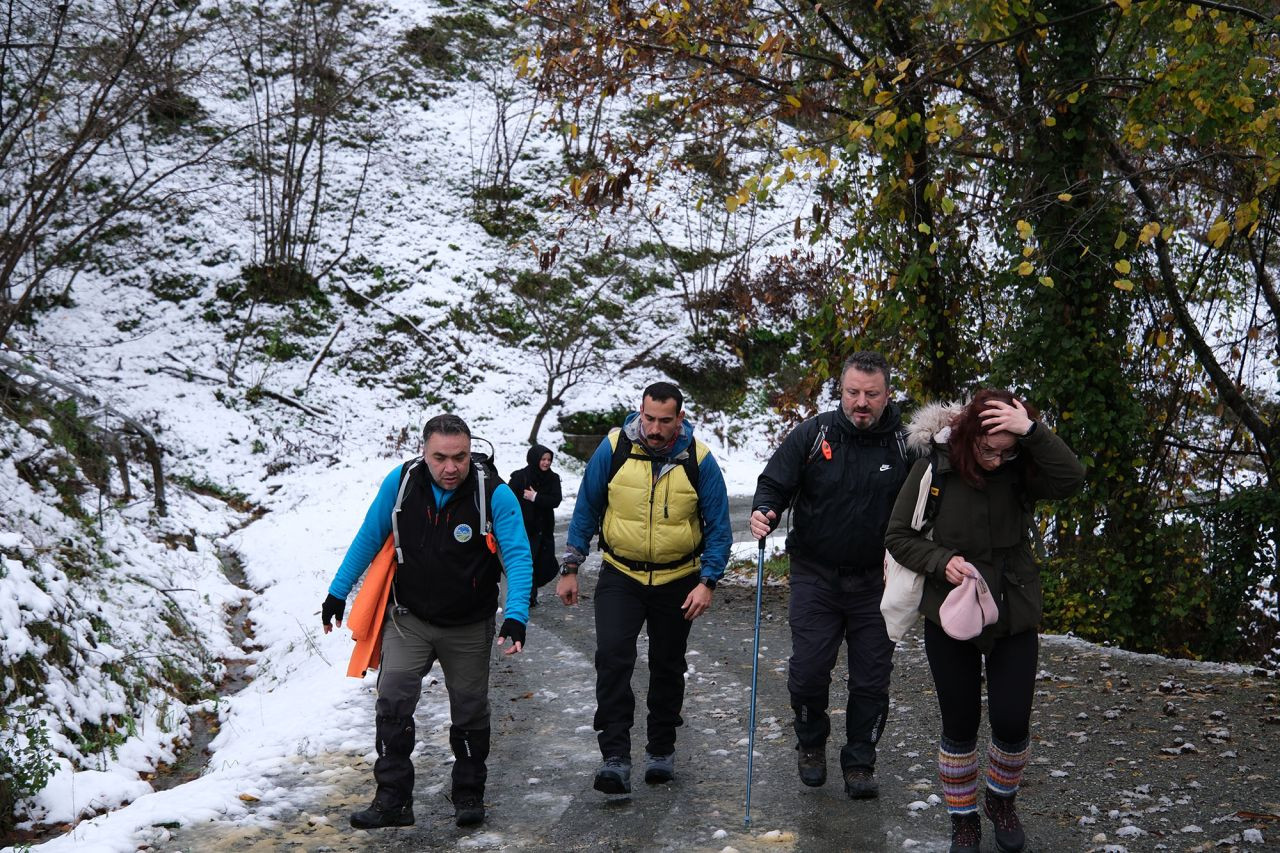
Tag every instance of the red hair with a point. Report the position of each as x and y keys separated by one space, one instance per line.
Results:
x=967 y=427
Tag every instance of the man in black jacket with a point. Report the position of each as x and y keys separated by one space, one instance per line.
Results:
x=843 y=469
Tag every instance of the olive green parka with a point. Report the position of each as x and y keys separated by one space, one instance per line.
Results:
x=989 y=527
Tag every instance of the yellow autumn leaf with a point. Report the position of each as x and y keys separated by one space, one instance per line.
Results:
x=1123 y=5
x=1123 y=267
x=1121 y=239
x=1148 y=232
x=1024 y=229
x=1064 y=196
x=1162 y=338
x=731 y=203
x=793 y=101
x=1050 y=121
x=1218 y=232
x=1046 y=280
x=1025 y=268
x=1123 y=284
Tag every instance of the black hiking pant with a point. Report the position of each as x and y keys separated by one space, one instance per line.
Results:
x=825 y=612
x=622 y=607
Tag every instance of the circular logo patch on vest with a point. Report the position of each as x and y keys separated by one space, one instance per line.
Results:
x=462 y=533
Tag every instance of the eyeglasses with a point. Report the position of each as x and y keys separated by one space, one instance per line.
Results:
x=987 y=454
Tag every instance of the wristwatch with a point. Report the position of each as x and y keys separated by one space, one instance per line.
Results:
x=568 y=569
x=709 y=583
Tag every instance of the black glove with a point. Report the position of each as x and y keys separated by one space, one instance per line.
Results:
x=513 y=630
x=333 y=608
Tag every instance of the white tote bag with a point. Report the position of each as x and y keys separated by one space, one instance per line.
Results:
x=903 y=588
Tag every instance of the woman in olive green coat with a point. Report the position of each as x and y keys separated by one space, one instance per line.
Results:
x=994 y=460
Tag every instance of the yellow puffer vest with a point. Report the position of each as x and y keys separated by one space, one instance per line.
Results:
x=653 y=525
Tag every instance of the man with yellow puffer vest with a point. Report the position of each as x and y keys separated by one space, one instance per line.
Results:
x=657 y=498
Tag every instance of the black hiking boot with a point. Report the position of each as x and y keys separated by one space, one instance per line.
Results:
x=377 y=817
x=468 y=809
x=614 y=776
x=861 y=784
x=1004 y=818
x=812 y=764
x=659 y=769
x=966 y=833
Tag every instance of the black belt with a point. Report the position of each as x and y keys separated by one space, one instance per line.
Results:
x=641 y=566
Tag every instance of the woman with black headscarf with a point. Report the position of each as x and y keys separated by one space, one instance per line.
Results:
x=538 y=488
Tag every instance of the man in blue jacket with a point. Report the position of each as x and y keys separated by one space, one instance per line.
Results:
x=455 y=526
x=657 y=498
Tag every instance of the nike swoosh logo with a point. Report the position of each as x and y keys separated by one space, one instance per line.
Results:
x=885 y=467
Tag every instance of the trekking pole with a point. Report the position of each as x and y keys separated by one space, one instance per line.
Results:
x=755 y=661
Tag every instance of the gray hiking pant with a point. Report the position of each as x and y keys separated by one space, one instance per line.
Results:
x=410 y=647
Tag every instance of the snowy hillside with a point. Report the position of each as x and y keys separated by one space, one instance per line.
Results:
x=275 y=418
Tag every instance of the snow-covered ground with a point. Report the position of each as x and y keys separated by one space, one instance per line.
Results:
x=313 y=472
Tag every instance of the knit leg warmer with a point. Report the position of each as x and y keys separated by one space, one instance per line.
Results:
x=1005 y=763
x=958 y=770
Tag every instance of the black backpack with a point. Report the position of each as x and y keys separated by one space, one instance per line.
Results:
x=486 y=472
x=624 y=450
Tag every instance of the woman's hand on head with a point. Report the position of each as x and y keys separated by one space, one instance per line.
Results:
x=1005 y=417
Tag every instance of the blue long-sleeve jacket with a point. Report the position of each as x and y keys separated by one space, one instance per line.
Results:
x=508 y=528
x=713 y=501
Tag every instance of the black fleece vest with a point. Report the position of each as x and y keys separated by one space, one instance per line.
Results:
x=447 y=576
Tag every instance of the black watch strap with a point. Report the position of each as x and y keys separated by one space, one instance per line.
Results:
x=568 y=569
x=709 y=583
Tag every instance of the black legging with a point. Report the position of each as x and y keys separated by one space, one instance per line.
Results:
x=957 y=675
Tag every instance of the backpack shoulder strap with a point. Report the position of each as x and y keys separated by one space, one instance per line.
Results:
x=820 y=443
x=936 y=485
x=405 y=470
x=692 y=461
x=621 y=451
x=485 y=487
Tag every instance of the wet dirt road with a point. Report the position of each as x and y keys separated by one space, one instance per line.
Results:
x=1129 y=752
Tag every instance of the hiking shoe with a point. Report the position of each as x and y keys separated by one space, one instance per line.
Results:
x=1009 y=835
x=614 y=776
x=812 y=764
x=861 y=784
x=659 y=768
x=468 y=810
x=376 y=816
x=966 y=833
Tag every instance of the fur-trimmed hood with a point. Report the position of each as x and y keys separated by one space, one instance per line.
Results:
x=931 y=424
